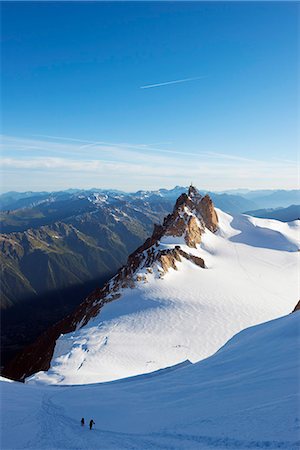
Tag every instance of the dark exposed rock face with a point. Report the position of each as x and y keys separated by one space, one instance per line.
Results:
x=192 y=214
x=297 y=307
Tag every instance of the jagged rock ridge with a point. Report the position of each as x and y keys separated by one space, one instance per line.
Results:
x=191 y=216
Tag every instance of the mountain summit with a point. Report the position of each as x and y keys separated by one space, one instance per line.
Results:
x=191 y=216
x=199 y=279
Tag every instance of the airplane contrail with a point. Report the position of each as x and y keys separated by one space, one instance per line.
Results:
x=149 y=86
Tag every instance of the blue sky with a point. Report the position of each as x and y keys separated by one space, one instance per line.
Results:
x=75 y=113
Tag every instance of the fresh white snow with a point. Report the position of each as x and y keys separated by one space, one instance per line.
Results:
x=251 y=276
x=246 y=396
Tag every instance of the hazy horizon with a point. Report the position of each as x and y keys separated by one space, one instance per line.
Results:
x=236 y=191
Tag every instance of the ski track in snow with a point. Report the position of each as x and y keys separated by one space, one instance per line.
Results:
x=246 y=396
x=57 y=431
x=69 y=435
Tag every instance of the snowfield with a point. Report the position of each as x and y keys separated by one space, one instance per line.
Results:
x=251 y=276
x=246 y=396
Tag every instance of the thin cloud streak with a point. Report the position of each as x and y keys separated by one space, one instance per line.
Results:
x=119 y=148
x=89 y=144
x=49 y=173
x=122 y=151
x=175 y=168
x=44 y=164
x=184 y=80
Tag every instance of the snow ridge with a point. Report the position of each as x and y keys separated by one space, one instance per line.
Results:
x=235 y=399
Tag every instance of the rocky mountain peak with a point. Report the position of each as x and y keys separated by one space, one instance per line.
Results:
x=191 y=217
x=192 y=192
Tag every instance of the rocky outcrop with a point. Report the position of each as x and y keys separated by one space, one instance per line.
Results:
x=195 y=259
x=191 y=216
x=207 y=211
x=169 y=258
x=193 y=232
x=297 y=307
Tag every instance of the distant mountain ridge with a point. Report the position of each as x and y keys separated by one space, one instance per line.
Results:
x=284 y=214
x=257 y=198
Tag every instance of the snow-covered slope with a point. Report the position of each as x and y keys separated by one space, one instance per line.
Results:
x=246 y=396
x=169 y=308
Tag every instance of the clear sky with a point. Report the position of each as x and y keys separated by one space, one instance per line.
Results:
x=86 y=98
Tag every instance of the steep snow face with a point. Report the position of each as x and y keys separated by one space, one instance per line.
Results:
x=250 y=276
x=246 y=396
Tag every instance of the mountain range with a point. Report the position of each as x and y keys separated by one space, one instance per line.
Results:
x=237 y=200
x=288 y=214
x=78 y=236
x=57 y=247
x=165 y=300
